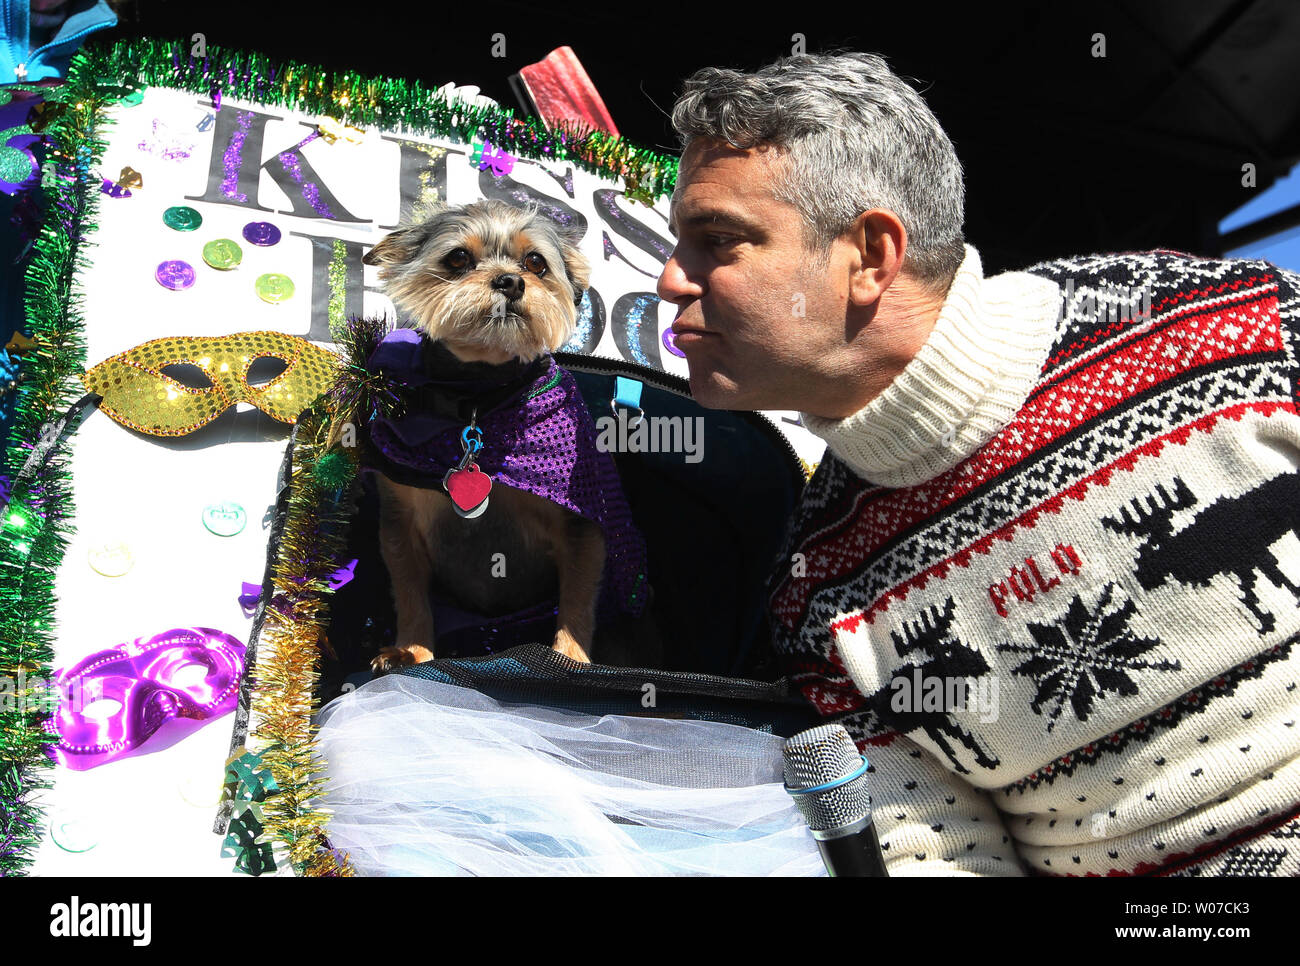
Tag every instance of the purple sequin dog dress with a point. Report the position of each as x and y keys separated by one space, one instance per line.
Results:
x=537 y=436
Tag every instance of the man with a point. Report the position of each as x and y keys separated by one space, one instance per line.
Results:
x=1046 y=572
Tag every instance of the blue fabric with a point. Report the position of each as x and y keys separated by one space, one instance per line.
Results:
x=628 y=392
x=47 y=61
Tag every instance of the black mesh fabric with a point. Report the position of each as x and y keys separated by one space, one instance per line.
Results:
x=536 y=674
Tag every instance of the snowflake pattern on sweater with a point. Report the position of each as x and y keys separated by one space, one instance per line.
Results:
x=1073 y=651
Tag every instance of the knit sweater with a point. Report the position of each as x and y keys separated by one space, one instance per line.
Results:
x=1049 y=578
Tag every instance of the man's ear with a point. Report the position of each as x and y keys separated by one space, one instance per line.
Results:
x=881 y=241
x=396 y=248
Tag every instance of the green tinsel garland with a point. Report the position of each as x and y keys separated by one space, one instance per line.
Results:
x=365 y=101
x=35 y=526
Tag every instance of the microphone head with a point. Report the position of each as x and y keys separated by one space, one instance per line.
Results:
x=820 y=756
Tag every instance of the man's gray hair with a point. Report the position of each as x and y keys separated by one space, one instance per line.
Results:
x=857 y=138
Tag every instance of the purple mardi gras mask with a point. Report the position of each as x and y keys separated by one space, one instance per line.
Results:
x=155 y=680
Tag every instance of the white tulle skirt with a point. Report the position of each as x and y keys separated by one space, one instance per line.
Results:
x=431 y=779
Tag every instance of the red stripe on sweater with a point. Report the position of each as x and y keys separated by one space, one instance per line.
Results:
x=1084 y=356
x=1053 y=505
x=1109 y=381
x=1098 y=336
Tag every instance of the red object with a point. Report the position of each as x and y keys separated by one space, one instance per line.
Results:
x=468 y=488
x=561 y=91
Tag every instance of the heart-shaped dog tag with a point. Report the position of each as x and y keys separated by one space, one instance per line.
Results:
x=468 y=489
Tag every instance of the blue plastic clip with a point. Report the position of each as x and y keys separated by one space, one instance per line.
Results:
x=627 y=392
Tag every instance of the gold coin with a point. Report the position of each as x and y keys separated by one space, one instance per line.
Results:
x=111 y=559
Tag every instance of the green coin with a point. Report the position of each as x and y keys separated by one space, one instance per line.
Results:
x=224 y=519
x=274 y=288
x=223 y=253
x=182 y=218
x=74 y=831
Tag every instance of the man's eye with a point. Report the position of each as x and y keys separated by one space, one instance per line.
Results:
x=716 y=240
x=458 y=259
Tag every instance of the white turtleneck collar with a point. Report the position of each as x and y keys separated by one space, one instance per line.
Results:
x=962 y=387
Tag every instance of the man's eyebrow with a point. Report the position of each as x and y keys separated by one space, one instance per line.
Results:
x=717 y=219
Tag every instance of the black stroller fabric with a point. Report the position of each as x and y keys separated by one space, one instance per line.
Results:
x=536 y=674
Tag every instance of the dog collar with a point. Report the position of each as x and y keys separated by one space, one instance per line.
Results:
x=458 y=390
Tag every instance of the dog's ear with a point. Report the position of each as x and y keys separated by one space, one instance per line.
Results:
x=397 y=248
x=576 y=265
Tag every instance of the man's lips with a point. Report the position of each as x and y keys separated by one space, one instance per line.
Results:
x=689 y=331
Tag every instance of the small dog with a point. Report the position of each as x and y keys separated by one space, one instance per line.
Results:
x=496 y=286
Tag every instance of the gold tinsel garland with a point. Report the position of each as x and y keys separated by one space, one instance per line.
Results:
x=287 y=667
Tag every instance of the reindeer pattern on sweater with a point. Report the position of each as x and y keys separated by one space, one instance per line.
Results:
x=1072 y=652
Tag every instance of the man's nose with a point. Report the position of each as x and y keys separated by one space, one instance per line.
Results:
x=673 y=283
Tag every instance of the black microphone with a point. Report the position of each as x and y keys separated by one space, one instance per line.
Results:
x=828 y=780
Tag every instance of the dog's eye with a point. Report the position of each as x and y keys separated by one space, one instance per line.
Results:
x=535 y=263
x=458 y=259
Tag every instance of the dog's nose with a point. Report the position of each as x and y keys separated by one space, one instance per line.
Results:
x=510 y=284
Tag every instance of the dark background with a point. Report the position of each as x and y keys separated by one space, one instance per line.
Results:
x=1064 y=152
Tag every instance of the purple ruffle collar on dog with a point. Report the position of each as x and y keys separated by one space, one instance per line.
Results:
x=538 y=436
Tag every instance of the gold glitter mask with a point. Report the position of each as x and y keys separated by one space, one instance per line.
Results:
x=138 y=394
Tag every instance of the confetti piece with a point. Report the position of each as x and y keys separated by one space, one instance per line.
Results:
x=274 y=288
x=111 y=559
x=223 y=254
x=175 y=275
x=261 y=233
x=224 y=519
x=182 y=218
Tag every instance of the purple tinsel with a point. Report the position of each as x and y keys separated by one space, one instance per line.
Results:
x=231 y=158
x=310 y=190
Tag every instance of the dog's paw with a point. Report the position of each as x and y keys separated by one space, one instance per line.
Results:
x=568 y=645
x=391 y=658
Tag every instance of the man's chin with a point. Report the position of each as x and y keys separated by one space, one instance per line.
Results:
x=712 y=392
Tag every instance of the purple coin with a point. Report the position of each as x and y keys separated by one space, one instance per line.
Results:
x=175 y=275
x=670 y=343
x=261 y=233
